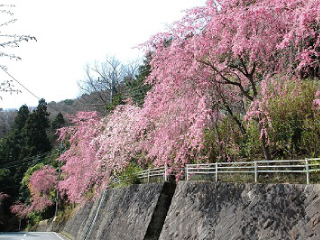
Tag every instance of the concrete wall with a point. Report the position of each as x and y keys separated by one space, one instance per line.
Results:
x=243 y=211
x=203 y=211
x=125 y=214
x=79 y=224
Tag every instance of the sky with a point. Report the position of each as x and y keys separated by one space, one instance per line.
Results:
x=73 y=33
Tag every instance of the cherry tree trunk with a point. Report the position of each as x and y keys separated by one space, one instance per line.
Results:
x=265 y=147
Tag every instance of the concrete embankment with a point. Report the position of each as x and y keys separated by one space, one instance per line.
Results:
x=125 y=213
x=202 y=211
x=243 y=211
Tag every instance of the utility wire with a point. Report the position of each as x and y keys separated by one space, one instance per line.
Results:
x=23 y=161
x=18 y=185
x=30 y=159
x=20 y=83
x=23 y=86
x=49 y=106
x=27 y=158
x=3 y=69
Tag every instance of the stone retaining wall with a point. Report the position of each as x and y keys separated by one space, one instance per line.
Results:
x=243 y=211
x=204 y=210
x=125 y=214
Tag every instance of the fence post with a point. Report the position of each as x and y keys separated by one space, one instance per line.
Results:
x=307 y=170
x=216 y=172
x=165 y=173
x=255 y=171
x=148 y=175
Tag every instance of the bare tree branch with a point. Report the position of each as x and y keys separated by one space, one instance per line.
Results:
x=9 y=41
x=227 y=80
x=104 y=80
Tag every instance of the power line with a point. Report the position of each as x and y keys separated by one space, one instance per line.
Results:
x=38 y=98
x=20 y=83
x=25 y=160
x=23 y=86
x=30 y=159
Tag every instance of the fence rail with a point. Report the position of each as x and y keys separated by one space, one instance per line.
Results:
x=254 y=168
x=302 y=166
x=161 y=172
x=154 y=172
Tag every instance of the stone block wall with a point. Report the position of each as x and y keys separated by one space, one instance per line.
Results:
x=243 y=211
x=125 y=214
x=202 y=211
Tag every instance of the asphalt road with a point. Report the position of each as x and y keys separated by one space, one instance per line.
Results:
x=30 y=236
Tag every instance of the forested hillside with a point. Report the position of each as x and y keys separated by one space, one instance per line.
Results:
x=30 y=144
x=234 y=80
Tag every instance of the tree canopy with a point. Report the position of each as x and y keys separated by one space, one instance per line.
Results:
x=228 y=48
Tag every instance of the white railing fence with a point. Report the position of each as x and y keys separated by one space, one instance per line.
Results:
x=219 y=170
x=154 y=172
x=304 y=166
x=158 y=172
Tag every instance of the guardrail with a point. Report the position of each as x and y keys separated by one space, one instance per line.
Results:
x=154 y=172
x=305 y=166
x=160 y=172
x=148 y=174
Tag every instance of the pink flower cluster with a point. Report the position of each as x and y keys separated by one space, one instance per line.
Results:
x=41 y=183
x=81 y=170
x=101 y=148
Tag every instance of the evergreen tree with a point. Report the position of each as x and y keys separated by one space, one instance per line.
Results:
x=34 y=131
x=10 y=150
x=21 y=118
x=27 y=138
x=11 y=145
x=58 y=122
x=137 y=87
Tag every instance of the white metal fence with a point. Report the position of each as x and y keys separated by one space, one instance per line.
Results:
x=220 y=170
x=159 y=172
x=304 y=166
x=154 y=172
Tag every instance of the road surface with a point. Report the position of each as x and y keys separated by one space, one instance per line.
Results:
x=30 y=236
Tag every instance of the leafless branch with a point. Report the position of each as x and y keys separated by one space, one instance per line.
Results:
x=10 y=41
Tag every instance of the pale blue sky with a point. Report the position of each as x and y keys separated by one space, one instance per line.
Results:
x=72 y=33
